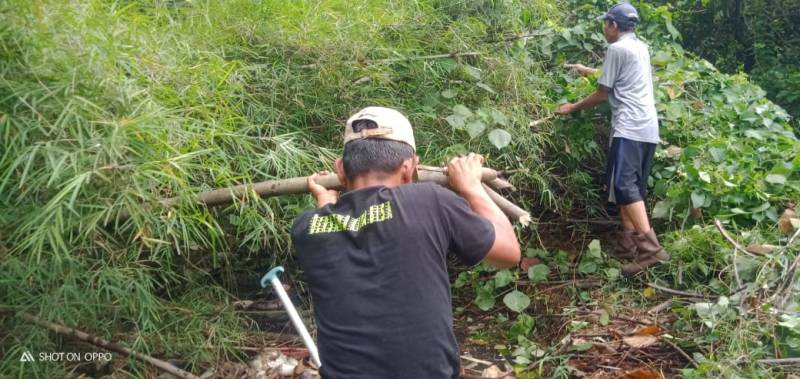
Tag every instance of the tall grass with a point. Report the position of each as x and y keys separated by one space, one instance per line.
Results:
x=107 y=107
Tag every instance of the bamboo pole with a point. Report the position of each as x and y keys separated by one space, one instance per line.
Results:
x=293 y=186
x=108 y=345
x=511 y=210
x=299 y=185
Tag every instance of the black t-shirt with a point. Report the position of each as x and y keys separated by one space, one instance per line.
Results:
x=376 y=265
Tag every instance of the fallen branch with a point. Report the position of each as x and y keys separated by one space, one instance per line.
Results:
x=414 y=58
x=535 y=123
x=591 y=221
x=730 y=239
x=108 y=345
x=660 y=307
x=785 y=286
x=780 y=362
x=677 y=292
x=481 y=361
x=680 y=351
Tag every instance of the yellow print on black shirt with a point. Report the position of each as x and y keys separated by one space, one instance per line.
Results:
x=342 y=223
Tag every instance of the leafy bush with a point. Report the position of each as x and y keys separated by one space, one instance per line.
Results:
x=107 y=108
x=757 y=36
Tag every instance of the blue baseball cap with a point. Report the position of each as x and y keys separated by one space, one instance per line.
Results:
x=622 y=13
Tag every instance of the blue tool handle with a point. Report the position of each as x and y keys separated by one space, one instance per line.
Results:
x=267 y=278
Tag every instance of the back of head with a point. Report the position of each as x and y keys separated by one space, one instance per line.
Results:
x=377 y=139
x=367 y=155
x=624 y=15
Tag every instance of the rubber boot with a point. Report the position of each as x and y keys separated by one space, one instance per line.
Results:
x=625 y=248
x=650 y=253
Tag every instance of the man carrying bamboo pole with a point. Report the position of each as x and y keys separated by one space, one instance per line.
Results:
x=375 y=257
x=626 y=81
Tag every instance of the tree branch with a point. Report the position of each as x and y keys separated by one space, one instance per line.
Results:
x=108 y=345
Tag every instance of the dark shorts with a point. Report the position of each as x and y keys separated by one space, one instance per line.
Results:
x=629 y=164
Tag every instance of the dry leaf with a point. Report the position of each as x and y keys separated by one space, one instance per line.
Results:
x=649 y=330
x=640 y=342
x=642 y=373
x=671 y=93
x=673 y=151
x=528 y=262
x=604 y=349
x=759 y=249
x=492 y=372
x=785 y=223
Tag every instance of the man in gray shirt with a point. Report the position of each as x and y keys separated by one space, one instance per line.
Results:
x=626 y=82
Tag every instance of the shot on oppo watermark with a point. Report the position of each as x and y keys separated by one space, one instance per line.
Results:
x=62 y=356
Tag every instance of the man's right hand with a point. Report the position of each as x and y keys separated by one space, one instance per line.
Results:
x=464 y=173
x=581 y=69
x=322 y=195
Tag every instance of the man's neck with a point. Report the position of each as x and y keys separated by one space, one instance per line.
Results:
x=624 y=35
x=374 y=180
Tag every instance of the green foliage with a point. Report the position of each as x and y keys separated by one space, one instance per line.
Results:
x=756 y=36
x=107 y=108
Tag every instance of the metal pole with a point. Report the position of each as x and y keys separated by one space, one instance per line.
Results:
x=272 y=277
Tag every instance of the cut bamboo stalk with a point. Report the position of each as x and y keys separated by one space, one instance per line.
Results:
x=108 y=345
x=501 y=184
x=299 y=185
x=293 y=186
x=511 y=210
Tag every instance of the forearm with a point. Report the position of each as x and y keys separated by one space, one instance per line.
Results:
x=589 y=71
x=505 y=251
x=592 y=100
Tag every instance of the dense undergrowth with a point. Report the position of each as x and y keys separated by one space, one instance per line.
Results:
x=105 y=108
x=756 y=36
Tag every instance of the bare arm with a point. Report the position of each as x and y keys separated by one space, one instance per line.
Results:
x=598 y=96
x=581 y=69
x=464 y=176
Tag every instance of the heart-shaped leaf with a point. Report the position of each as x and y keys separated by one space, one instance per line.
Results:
x=475 y=128
x=484 y=301
x=503 y=278
x=538 y=273
x=661 y=209
x=462 y=111
x=448 y=93
x=587 y=267
x=516 y=301
x=499 y=117
x=698 y=199
x=499 y=138
x=775 y=179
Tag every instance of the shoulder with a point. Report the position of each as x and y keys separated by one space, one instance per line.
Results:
x=416 y=189
x=300 y=223
x=430 y=196
x=621 y=48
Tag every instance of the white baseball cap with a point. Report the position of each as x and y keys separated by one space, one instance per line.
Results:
x=379 y=122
